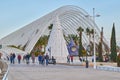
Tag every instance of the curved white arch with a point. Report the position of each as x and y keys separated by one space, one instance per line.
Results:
x=70 y=17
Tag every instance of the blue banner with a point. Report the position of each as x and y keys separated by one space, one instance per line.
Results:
x=72 y=48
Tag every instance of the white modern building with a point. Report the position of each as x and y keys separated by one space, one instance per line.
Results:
x=66 y=20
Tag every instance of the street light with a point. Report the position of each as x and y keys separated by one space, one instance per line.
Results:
x=94 y=15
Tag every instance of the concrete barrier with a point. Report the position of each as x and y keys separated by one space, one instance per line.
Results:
x=109 y=68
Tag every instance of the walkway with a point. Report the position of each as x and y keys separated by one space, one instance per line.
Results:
x=58 y=72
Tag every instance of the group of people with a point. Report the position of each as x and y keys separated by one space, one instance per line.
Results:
x=42 y=59
x=26 y=58
x=69 y=58
x=12 y=58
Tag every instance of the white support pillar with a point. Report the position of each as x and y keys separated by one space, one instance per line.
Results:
x=57 y=43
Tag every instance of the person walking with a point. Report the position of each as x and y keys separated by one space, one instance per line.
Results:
x=13 y=58
x=27 y=57
x=43 y=59
x=33 y=58
x=19 y=58
x=24 y=58
x=68 y=59
x=71 y=58
x=40 y=58
x=46 y=59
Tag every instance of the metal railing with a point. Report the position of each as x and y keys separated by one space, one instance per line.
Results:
x=4 y=70
x=5 y=77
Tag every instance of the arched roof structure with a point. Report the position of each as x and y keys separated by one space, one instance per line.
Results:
x=70 y=18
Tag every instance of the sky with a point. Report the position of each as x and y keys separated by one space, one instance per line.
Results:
x=15 y=14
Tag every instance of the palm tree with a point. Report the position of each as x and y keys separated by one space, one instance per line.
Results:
x=42 y=41
x=50 y=26
x=75 y=38
x=100 y=58
x=80 y=30
x=90 y=32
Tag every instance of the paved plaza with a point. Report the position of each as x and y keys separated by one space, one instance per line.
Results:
x=58 y=72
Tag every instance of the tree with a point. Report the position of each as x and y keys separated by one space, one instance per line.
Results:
x=80 y=30
x=75 y=38
x=100 y=52
x=90 y=33
x=50 y=27
x=113 y=55
x=38 y=46
x=100 y=58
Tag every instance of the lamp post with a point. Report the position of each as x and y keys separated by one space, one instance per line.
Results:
x=94 y=38
x=94 y=15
